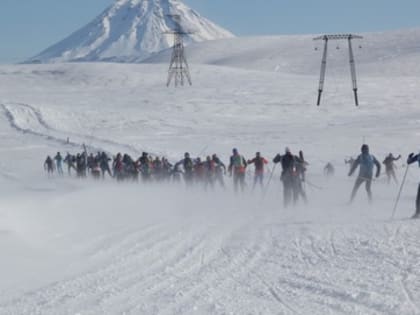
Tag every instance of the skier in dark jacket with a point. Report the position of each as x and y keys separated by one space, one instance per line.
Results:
x=166 y=169
x=209 y=173
x=390 y=167
x=301 y=165
x=412 y=159
x=366 y=161
x=104 y=164
x=144 y=165
x=329 y=170
x=188 y=165
x=90 y=162
x=220 y=170
x=49 y=165
x=81 y=164
x=289 y=176
x=70 y=161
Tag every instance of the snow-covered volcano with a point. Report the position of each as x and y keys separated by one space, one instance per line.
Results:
x=131 y=30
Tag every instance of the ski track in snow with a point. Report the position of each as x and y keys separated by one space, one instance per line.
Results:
x=20 y=114
x=179 y=280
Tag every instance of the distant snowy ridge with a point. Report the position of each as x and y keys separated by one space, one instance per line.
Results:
x=131 y=30
x=392 y=52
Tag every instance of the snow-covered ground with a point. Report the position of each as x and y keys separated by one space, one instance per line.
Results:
x=73 y=247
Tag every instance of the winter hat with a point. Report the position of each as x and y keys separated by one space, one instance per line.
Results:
x=365 y=148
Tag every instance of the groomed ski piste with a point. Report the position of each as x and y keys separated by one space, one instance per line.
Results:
x=85 y=247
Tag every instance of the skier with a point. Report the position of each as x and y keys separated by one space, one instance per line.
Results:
x=301 y=165
x=188 y=165
x=129 y=168
x=329 y=170
x=289 y=176
x=220 y=170
x=209 y=173
x=81 y=165
x=118 y=167
x=49 y=165
x=59 y=163
x=95 y=169
x=70 y=160
x=90 y=162
x=390 y=167
x=366 y=161
x=166 y=169
x=237 y=168
x=259 y=162
x=199 y=171
x=157 y=169
x=104 y=164
x=143 y=164
x=176 y=174
x=412 y=159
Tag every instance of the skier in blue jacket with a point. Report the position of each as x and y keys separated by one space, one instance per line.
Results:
x=366 y=161
x=412 y=159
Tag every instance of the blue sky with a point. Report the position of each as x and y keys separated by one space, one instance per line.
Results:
x=29 y=26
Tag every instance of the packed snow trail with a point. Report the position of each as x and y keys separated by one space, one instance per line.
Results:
x=225 y=256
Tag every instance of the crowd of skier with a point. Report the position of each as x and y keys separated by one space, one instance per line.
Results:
x=211 y=171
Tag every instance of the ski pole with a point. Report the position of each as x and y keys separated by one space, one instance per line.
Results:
x=399 y=193
x=269 y=181
x=203 y=151
x=313 y=185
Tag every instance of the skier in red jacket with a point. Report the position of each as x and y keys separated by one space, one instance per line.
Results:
x=259 y=163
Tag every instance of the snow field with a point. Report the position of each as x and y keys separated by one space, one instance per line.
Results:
x=73 y=247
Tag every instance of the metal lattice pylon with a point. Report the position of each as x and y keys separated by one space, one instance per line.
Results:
x=178 y=67
x=326 y=39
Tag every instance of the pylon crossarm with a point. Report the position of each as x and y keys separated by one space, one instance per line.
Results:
x=338 y=37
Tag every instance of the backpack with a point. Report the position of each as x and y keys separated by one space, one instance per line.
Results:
x=238 y=163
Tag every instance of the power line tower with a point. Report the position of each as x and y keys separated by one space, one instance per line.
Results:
x=178 y=67
x=326 y=39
